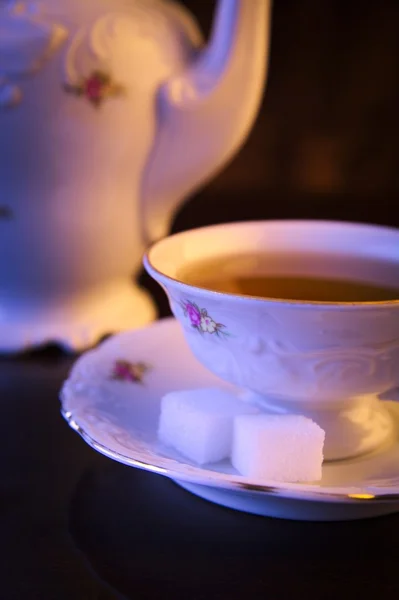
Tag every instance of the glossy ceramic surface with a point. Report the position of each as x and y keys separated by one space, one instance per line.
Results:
x=94 y=155
x=112 y=399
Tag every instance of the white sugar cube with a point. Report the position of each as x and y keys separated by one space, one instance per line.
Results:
x=285 y=448
x=199 y=423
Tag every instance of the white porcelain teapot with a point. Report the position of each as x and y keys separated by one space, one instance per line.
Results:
x=111 y=113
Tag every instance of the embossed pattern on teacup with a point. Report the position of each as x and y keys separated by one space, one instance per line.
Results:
x=273 y=365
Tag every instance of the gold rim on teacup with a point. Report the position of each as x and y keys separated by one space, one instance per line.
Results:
x=150 y=265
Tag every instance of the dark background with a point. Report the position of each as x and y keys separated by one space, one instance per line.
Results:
x=74 y=523
x=325 y=144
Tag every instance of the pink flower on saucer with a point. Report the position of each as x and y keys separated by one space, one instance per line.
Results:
x=201 y=321
x=124 y=370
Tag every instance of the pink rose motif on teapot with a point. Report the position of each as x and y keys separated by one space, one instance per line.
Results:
x=95 y=88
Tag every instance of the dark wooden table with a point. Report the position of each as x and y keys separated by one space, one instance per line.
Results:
x=75 y=525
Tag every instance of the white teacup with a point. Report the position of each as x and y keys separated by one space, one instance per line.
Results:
x=327 y=360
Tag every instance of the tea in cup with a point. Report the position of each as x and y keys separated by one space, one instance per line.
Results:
x=303 y=314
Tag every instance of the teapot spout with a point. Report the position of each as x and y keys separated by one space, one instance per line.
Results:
x=206 y=113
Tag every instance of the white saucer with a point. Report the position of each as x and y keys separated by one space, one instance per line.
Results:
x=119 y=416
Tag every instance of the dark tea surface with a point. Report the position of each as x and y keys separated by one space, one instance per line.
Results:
x=299 y=278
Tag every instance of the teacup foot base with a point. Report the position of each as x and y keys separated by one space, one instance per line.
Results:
x=353 y=427
x=78 y=322
x=288 y=508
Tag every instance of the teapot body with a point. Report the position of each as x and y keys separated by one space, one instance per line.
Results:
x=78 y=85
x=112 y=112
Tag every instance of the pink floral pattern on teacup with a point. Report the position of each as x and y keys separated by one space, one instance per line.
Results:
x=201 y=321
